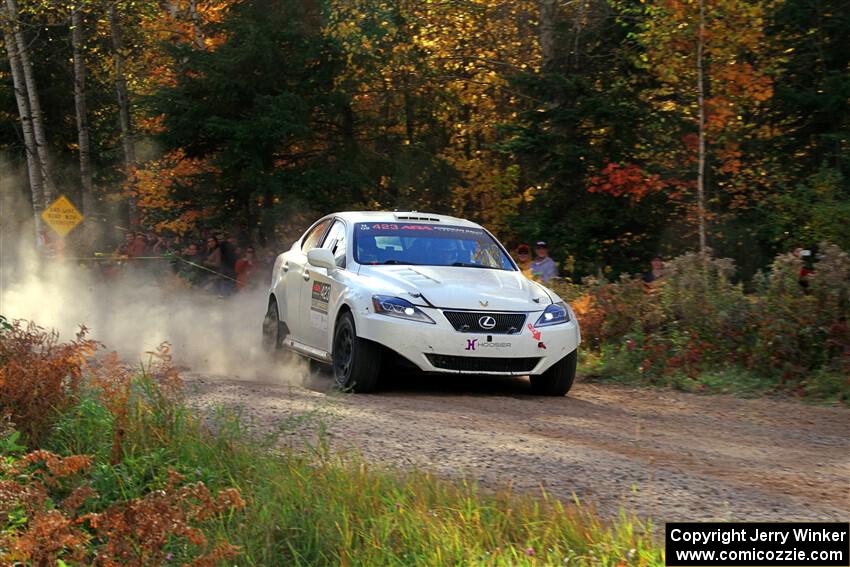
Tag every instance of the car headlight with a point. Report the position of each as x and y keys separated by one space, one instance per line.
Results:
x=555 y=314
x=398 y=307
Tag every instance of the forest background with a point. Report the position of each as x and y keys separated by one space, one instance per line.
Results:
x=613 y=129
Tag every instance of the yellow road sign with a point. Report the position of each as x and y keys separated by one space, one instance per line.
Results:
x=62 y=216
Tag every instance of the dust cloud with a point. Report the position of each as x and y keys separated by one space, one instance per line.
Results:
x=136 y=311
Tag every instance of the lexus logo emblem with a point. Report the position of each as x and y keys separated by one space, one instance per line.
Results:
x=487 y=322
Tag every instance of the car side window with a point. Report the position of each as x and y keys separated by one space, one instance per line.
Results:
x=335 y=242
x=312 y=239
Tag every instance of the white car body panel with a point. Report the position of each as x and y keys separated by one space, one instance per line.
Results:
x=309 y=300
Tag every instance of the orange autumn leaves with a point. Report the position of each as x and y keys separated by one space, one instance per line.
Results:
x=154 y=188
x=628 y=180
x=49 y=506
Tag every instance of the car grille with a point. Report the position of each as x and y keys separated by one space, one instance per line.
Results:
x=470 y=322
x=482 y=364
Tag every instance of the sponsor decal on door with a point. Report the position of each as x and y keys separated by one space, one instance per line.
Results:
x=320 y=294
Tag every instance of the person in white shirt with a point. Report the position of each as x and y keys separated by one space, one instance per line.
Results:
x=543 y=267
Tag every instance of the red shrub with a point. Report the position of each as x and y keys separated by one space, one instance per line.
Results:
x=39 y=376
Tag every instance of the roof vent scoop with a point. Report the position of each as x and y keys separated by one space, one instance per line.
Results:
x=413 y=215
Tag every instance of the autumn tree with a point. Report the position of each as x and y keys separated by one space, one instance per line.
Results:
x=32 y=118
x=81 y=108
x=594 y=125
x=582 y=118
x=263 y=110
x=810 y=44
x=714 y=79
x=25 y=117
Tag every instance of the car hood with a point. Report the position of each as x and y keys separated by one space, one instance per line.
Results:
x=452 y=287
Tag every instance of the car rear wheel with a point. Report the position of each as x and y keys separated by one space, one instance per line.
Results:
x=356 y=361
x=272 y=329
x=558 y=380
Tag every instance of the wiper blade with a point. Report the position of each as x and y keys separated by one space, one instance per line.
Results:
x=397 y=262
x=471 y=265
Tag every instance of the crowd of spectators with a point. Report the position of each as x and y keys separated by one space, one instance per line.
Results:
x=219 y=263
x=223 y=264
x=542 y=267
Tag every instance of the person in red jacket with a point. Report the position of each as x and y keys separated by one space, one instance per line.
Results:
x=245 y=269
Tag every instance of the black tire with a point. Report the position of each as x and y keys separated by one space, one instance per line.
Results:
x=356 y=361
x=558 y=380
x=273 y=329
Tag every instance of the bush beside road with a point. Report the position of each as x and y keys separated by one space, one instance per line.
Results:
x=116 y=468
x=699 y=329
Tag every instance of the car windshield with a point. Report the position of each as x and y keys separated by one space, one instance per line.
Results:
x=427 y=245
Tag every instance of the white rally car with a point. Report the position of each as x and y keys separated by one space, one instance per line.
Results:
x=441 y=293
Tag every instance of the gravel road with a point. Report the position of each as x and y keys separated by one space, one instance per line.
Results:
x=661 y=454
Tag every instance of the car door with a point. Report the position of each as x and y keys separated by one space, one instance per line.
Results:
x=295 y=278
x=317 y=298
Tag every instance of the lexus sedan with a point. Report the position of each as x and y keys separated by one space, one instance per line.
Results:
x=441 y=293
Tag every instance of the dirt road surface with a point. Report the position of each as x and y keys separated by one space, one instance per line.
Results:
x=659 y=453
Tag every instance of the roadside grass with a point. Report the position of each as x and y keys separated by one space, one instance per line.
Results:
x=314 y=507
x=822 y=387
x=125 y=472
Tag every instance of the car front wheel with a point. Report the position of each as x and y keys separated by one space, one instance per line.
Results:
x=356 y=361
x=558 y=380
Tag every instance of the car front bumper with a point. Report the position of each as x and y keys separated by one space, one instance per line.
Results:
x=441 y=348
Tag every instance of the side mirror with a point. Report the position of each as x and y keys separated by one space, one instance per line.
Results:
x=321 y=258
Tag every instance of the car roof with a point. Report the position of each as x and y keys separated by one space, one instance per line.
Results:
x=402 y=216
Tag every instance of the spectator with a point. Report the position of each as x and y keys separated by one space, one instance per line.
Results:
x=806 y=268
x=229 y=256
x=245 y=269
x=151 y=239
x=162 y=246
x=543 y=267
x=657 y=270
x=523 y=258
x=124 y=248
x=233 y=242
x=137 y=248
x=265 y=263
x=213 y=261
x=189 y=270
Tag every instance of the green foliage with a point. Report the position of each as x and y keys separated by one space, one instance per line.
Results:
x=696 y=328
x=813 y=85
x=264 y=108
x=815 y=210
x=9 y=443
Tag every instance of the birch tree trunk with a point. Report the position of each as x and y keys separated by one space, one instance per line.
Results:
x=701 y=103
x=547 y=23
x=196 y=25
x=33 y=167
x=42 y=150
x=127 y=141
x=83 y=138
